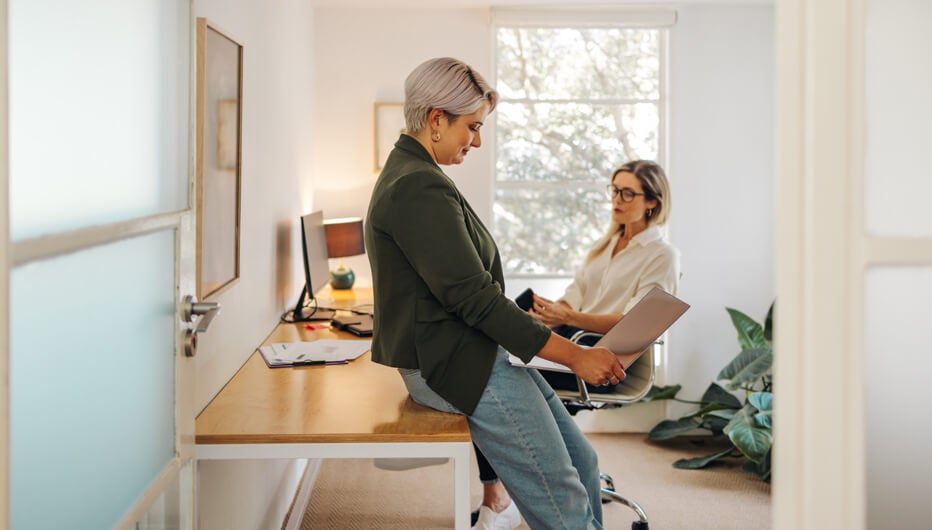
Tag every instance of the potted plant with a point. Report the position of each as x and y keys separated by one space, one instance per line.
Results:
x=748 y=425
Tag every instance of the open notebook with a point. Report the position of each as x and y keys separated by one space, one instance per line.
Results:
x=632 y=335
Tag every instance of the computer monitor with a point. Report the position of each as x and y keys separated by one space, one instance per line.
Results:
x=316 y=267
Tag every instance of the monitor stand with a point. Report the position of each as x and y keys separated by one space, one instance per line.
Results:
x=321 y=314
x=307 y=314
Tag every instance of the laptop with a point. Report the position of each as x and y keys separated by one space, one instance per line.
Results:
x=630 y=337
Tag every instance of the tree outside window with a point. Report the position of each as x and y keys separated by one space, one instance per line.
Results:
x=575 y=104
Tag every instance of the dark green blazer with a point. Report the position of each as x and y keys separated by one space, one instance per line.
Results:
x=437 y=281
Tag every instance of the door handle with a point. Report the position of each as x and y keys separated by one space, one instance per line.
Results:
x=191 y=308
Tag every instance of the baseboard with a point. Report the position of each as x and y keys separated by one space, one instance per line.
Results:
x=636 y=418
x=302 y=496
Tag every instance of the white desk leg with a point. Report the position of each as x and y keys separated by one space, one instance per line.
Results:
x=461 y=487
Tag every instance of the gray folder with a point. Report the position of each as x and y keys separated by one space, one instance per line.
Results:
x=642 y=325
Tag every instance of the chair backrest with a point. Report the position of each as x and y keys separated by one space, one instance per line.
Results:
x=637 y=383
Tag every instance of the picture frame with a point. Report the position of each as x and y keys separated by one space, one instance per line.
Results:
x=218 y=159
x=389 y=124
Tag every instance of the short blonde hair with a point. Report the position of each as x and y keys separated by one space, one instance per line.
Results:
x=447 y=84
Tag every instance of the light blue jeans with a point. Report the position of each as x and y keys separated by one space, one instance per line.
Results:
x=544 y=460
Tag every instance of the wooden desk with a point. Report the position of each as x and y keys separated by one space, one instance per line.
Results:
x=357 y=410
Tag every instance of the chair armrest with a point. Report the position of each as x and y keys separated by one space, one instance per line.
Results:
x=582 y=334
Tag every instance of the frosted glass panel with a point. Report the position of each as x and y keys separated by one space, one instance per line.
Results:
x=898 y=349
x=92 y=388
x=898 y=177
x=98 y=111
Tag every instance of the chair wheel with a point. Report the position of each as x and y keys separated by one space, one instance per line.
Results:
x=639 y=525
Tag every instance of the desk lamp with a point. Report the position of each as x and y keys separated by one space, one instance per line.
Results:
x=344 y=238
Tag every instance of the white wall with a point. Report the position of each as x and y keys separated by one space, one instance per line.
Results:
x=277 y=135
x=362 y=56
x=721 y=148
x=721 y=167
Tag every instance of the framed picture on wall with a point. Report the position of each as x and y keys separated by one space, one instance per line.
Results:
x=218 y=160
x=389 y=124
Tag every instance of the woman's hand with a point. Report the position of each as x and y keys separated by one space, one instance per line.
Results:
x=551 y=314
x=597 y=366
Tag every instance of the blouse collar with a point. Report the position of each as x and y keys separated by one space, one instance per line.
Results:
x=646 y=237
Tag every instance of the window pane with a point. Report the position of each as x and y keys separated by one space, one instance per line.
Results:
x=549 y=230
x=568 y=63
x=98 y=111
x=553 y=142
x=575 y=104
x=897 y=335
x=92 y=365
x=898 y=180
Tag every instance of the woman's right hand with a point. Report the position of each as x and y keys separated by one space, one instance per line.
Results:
x=597 y=366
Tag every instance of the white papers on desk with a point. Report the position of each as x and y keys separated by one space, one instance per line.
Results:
x=324 y=351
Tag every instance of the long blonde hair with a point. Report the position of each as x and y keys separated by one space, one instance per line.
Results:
x=656 y=188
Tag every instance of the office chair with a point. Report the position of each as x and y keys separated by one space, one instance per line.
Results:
x=637 y=383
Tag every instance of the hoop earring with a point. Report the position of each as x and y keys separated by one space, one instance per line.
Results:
x=436 y=136
x=650 y=211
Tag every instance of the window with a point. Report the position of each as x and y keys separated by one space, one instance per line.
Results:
x=575 y=103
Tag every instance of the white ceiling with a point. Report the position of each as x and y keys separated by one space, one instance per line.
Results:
x=487 y=3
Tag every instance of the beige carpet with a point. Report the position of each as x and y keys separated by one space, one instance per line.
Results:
x=353 y=494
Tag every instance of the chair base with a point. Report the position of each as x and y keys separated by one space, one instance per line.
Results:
x=609 y=494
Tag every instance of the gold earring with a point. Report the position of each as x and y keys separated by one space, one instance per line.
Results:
x=436 y=136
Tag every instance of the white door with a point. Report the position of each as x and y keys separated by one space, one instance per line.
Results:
x=101 y=252
x=855 y=265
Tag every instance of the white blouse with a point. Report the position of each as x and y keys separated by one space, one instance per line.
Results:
x=614 y=284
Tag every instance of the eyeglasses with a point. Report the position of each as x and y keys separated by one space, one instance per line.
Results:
x=627 y=194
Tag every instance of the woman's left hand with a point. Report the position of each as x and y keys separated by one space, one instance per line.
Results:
x=551 y=314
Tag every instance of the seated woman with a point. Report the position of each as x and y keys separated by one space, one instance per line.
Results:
x=624 y=266
x=620 y=269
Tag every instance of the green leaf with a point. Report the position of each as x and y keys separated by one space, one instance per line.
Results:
x=761 y=469
x=714 y=424
x=747 y=367
x=657 y=393
x=768 y=323
x=764 y=419
x=752 y=440
x=750 y=333
x=672 y=428
x=726 y=414
x=716 y=394
x=708 y=409
x=762 y=401
x=702 y=461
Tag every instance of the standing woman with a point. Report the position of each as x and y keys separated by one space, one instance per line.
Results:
x=442 y=318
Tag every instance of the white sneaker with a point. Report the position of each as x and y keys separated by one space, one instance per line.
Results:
x=507 y=519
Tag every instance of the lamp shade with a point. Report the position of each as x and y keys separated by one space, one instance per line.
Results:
x=344 y=237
